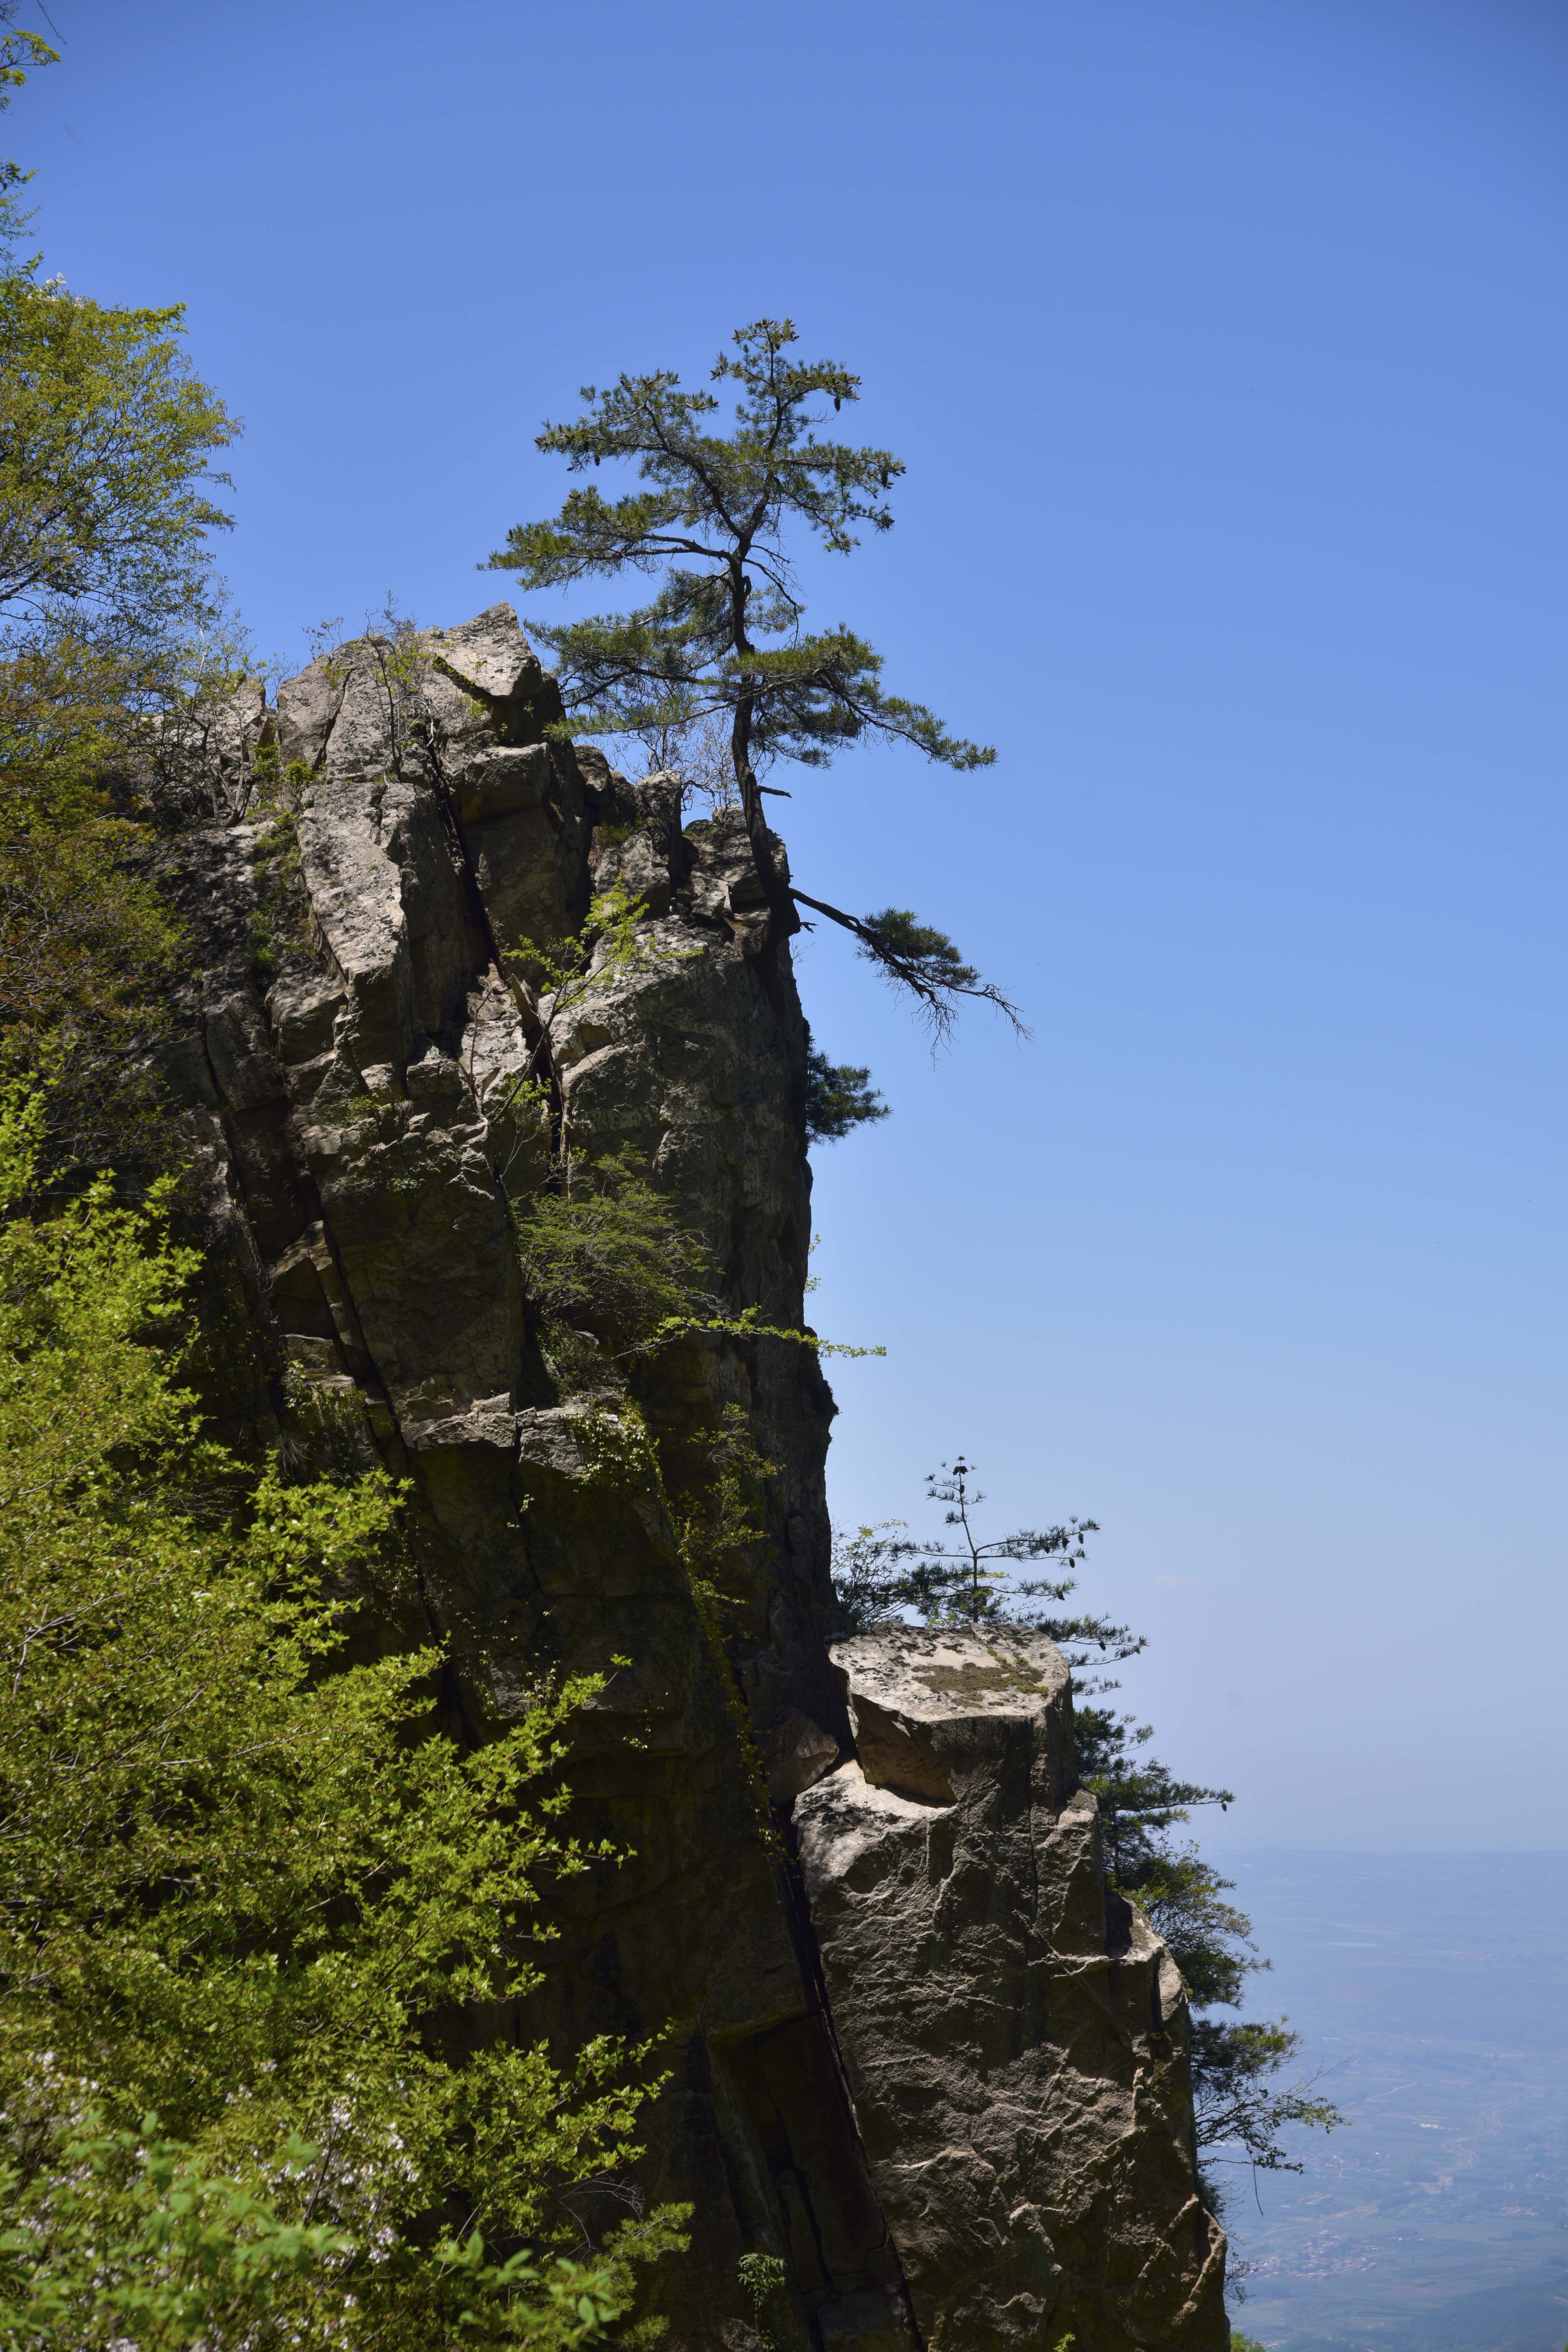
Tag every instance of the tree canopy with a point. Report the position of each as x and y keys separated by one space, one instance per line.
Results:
x=106 y=508
x=724 y=634
x=19 y=52
x=105 y=433
x=105 y=438
x=251 y=1886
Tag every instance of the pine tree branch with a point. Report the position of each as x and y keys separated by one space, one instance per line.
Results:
x=920 y=970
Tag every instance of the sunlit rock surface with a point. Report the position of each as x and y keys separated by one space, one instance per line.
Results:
x=1015 y=2046
x=913 y=2067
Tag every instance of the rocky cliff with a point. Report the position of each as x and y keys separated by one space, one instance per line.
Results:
x=915 y=2050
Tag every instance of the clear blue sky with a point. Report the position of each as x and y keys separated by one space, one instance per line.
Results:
x=1226 y=343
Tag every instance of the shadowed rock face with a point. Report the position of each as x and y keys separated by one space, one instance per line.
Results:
x=352 y=1025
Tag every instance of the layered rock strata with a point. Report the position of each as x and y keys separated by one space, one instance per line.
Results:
x=365 y=1002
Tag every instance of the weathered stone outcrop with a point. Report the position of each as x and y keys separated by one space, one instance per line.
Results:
x=969 y=2133
x=1015 y=2048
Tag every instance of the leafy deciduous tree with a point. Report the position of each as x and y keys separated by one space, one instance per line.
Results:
x=105 y=433
x=105 y=511
x=19 y=53
x=248 y=1889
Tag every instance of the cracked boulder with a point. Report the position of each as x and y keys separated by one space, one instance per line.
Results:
x=1015 y=2044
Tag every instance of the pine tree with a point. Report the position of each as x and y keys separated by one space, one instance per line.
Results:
x=724 y=634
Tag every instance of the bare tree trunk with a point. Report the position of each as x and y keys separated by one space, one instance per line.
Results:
x=782 y=920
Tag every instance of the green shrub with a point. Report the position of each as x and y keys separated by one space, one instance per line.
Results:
x=263 y=1925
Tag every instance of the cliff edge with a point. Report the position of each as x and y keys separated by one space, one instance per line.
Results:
x=915 y=2050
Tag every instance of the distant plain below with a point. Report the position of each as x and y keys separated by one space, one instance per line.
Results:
x=1432 y=1990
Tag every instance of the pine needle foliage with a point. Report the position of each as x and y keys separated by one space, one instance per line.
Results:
x=960 y=1577
x=839 y=1097
x=724 y=636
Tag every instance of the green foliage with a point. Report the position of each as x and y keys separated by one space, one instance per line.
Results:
x=604 y=1259
x=1210 y=1940
x=193 y=743
x=105 y=433
x=611 y=1258
x=920 y=958
x=839 y=1097
x=616 y=1277
x=248 y=1889
x=869 y=1579
x=961 y=1578
x=264 y=1928
x=764 y=2279
x=725 y=641
x=133 y=2241
x=722 y=500
x=616 y=942
x=1234 y=2064
x=613 y=1273
x=89 y=947
x=130 y=2234
x=905 y=947
x=916 y=956
x=19 y=52
x=1140 y=1798
x=773 y=465
x=719 y=1513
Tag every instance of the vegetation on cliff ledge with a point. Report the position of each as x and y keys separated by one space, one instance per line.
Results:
x=264 y=1926
x=724 y=642
x=963 y=1577
x=265 y=1923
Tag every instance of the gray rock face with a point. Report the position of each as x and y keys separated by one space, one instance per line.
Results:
x=1017 y=2056
x=358 y=1016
